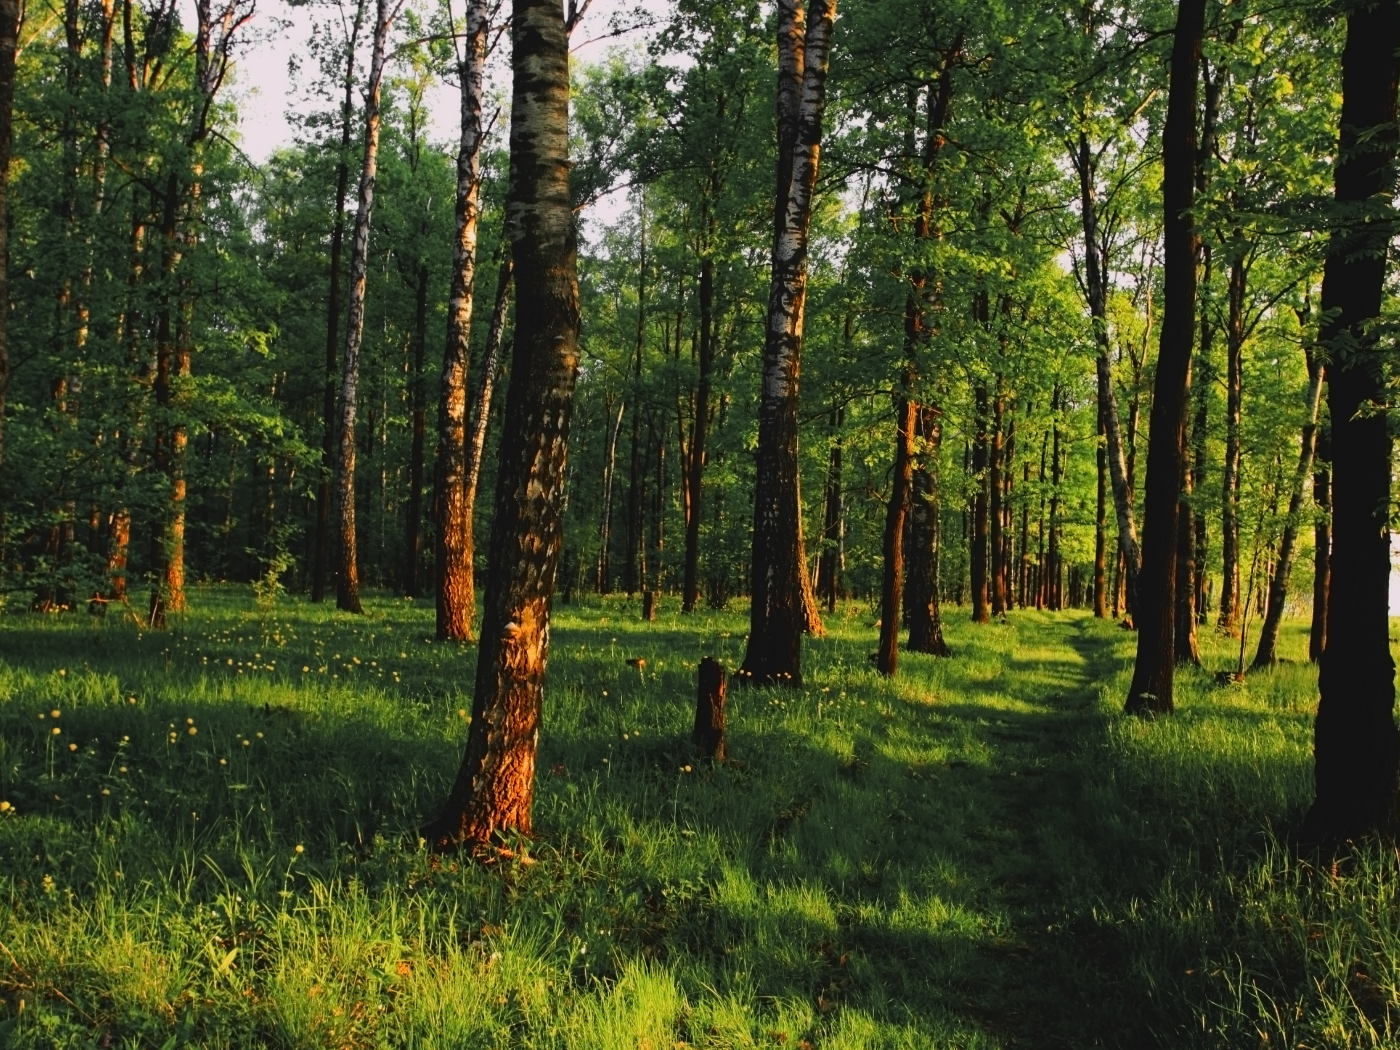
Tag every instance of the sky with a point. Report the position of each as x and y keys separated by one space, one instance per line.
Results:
x=267 y=92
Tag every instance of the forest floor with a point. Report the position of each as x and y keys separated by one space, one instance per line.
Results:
x=207 y=839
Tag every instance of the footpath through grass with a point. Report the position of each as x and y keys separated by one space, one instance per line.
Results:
x=206 y=839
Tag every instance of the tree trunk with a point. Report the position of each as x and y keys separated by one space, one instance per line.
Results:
x=981 y=608
x=779 y=610
x=695 y=468
x=348 y=577
x=995 y=486
x=9 y=38
x=1154 y=606
x=896 y=519
x=1322 y=541
x=1267 y=654
x=321 y=563
x=829 y=564
x=495 y=786
x=1187 y=647
x=1355 y=743
x=1101 y=524
x=925 y=617
x=1096 y=285
x=634 y=572
x=1230 y=598
x=456 y=595
x=413 y=541
x=708 y=734
x=1053 y=598
x=603 y=581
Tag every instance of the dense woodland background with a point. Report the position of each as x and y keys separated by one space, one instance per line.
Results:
x=170 y=299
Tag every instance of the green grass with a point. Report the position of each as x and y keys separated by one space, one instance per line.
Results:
x=980 y=853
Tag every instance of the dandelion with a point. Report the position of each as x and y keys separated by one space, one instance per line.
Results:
x=461 y=712
x=246 y=742
x=686 y=768
x=193 y=730
x=260 y=736
x=106 y=791
x=305 y=669
x=223 y=761
x=55 y=714
x=62 y=671
x=126 y=740
x=5 y=807
x=230 y=661
x=56 y=730
x=72 y=747
x=301 y=848
x=121 y=769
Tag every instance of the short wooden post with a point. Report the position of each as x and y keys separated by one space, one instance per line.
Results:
x=649 y=603
x=708 y=734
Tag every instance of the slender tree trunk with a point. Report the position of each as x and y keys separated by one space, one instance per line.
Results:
x=634 y=571
x=1205 y=163
x=829 y=565
x=1053 y=598
x=981 y=608
x=995 y=486
x=456 y=599
x=1355 y=743
x=495 y=786
x=1096 y=284
x=896 y=521
x=321 y=562
x=348 y=578
x=1154 y=607
x=925 y=616
x=1267 y=653
x=1322 y=541
x=1186 y=645
x=781 y=605
x=414 y=545
x=695 y=469
x=1101 y=524
x=1230 y=598
x=603 y=583
x=9 y=37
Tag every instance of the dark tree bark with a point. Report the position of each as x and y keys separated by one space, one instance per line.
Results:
x=1187 y=647
x=782 y=606
x=603 y=580
x=996 y=538
x=829 y=563
x=1231 y=600
x=896 y=522
x=456 y=589
x=925 y=617
x=9 y=37
x=1355 y=744
x=1155 y=606
x=1205 y=163
x=321 y=562
x=1054 y=600
x=1266 y=653
x=1101 y=525
x=708 y=734
x=347 y=595
x=981 y=607
x=634 y=571
x=695 y=467
x=1096 y=291
x=495 y=786
x=1322 y=541
x=413 y=546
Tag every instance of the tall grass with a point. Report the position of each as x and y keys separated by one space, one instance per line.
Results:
x=981 y=852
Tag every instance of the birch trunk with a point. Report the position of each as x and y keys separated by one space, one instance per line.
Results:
x=348 y=577
x=456 y=588
x=495 y=786
x=781 y=603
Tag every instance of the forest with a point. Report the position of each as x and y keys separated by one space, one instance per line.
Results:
x=872 y=517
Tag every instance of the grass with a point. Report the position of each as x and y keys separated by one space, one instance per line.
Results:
x=212 y=844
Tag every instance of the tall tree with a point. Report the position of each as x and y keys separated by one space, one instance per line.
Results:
x=348 y=577
x=9 y=40
x=1355 y=744
x=495 y=786
x=321 y=555
x=779 y=589
x=456 y=592
x=1155 y=611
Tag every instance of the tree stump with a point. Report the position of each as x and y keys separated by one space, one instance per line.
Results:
x=708 y=734
x=650 y=600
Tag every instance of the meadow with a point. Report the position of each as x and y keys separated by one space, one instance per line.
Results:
x=207 y=838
